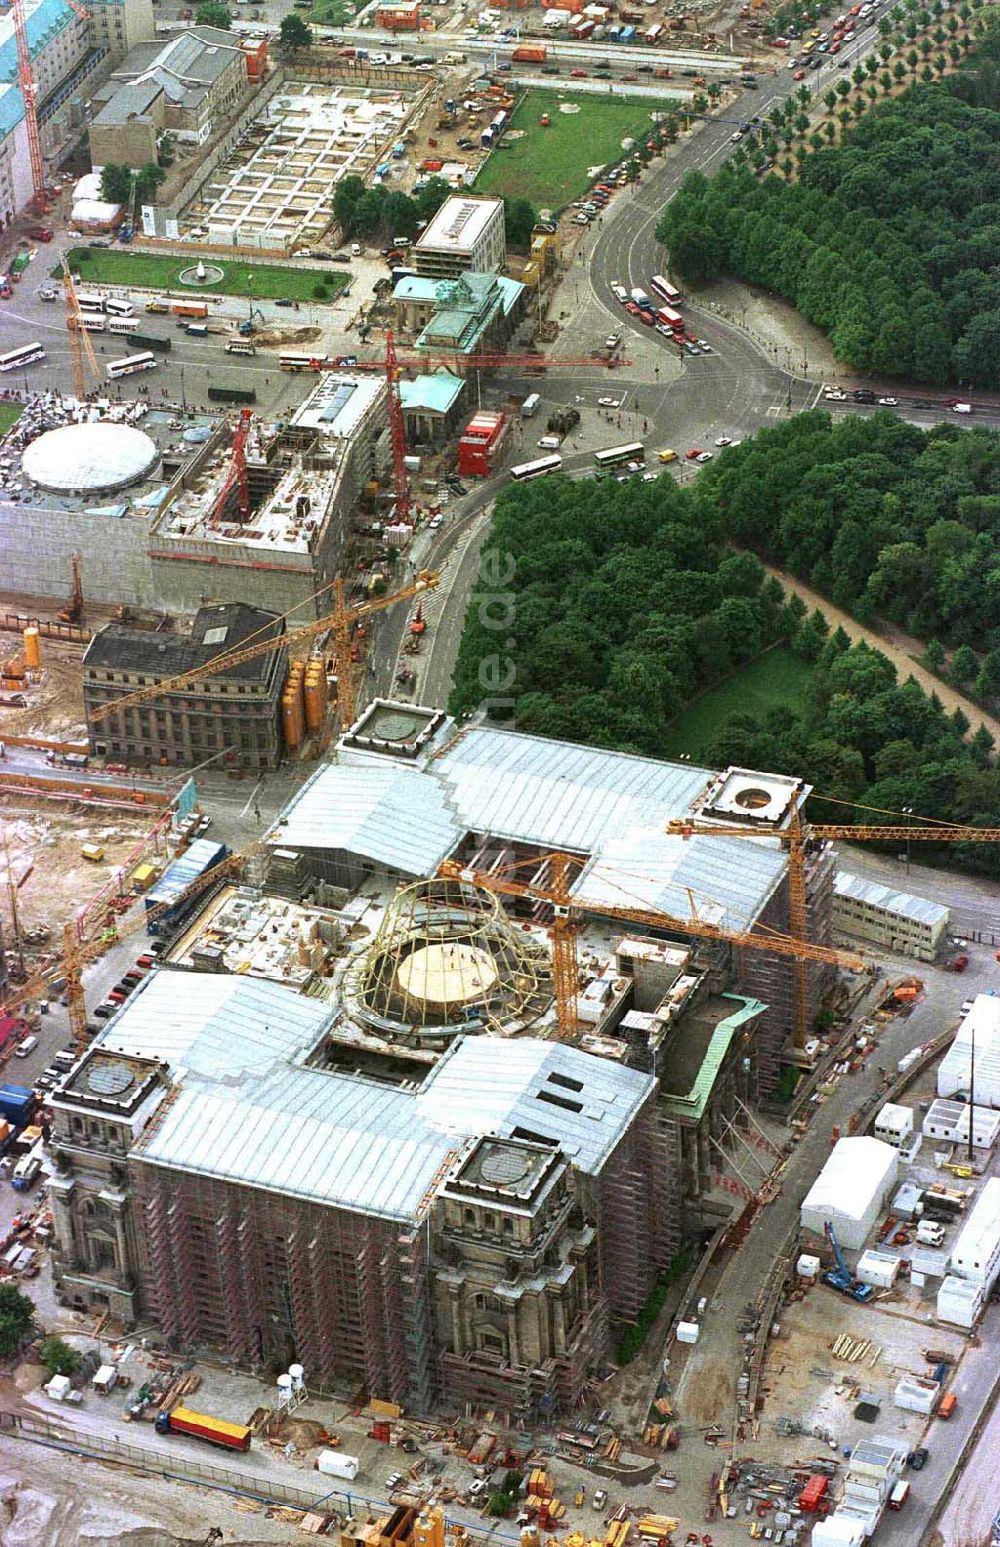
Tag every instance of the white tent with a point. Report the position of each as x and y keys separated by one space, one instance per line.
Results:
x=850 y=1190
x=955 y=1070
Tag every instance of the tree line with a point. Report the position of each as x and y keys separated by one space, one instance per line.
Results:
x=883 y=517
x=888 y=241
x=623 y=602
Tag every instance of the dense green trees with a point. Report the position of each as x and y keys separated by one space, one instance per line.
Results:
x=295 y=33
x=888 y=242
x=16 y=1315
x=603 y=609
x=620 y=605
x=212 y=13
x=364 y=212
x=881 y=516
x=868 y=740
x=116 y=183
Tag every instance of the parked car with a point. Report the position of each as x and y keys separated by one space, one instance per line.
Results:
x=694 y=453
x=917 y=1459
x=723 y=440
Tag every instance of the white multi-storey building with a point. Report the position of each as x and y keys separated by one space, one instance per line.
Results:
x=68 y=51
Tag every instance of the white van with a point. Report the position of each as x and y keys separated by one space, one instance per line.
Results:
x=27 y=1046
x=930 y=1233
x=530 y=406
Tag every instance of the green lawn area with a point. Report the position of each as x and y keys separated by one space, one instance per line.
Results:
x=332 y=13
x=264 y=282
x=10 y=413
x=778 y=677
x=549 y=166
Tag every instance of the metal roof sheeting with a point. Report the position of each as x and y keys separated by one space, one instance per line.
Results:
x=394 y=816
x=331 y=1138
x=585 y=1104
x=216 y=1025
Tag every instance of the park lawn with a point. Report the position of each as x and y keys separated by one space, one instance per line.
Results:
x=776 y=678
x=102 y=266
x=10 y=413
x=549 y=166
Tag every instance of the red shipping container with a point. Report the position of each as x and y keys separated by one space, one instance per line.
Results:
x=813 y=1492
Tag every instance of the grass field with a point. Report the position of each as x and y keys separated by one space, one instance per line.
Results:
x=264 y=282
x=777 y=678
x=549 y=166
x=10 y=413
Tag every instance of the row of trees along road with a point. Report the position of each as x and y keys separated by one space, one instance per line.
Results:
x=601 y=645
x=888 y=242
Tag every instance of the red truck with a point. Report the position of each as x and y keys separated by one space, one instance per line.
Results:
x=231 y=1436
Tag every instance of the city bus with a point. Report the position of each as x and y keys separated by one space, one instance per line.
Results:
x=666 y=291
x=536 y=469
x=131 y=364
x=26 y=355
x=615 y=455
x=101 y=305
x=301 y=362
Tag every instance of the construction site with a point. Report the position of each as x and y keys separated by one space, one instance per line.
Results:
x=274 y=191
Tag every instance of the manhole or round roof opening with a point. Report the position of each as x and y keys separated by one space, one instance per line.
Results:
x=504 y=1167
x=110 y=1079
x=753 y=799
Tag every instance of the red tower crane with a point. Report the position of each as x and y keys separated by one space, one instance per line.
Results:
x=236 y=477
x=29 y=94
x=394 y=368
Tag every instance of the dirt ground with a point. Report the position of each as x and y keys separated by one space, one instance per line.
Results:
x=48 y=1499
x=55 y=698
x=805 y=1382
x=45 y=841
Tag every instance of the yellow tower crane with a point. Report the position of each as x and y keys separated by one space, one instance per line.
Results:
x=796 y=838
x=80 y=348
x=555 y=891
x=340 y=622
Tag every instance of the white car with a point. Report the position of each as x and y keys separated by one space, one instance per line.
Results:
x=609 y=402
x=581 y=219
x=724 y=440
x=835 y=396
x=618 y=291
x=706 y=456
x=706 y=349
x=888 y=402
x=961 y=408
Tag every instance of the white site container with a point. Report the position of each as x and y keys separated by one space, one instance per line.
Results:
x=688 y=1331
x=58 y=1388
x=959 y=1302
x=807 y=1266
x=878 y=1269
x=334 y=1463
x=915 y=1395
x=894 y=1123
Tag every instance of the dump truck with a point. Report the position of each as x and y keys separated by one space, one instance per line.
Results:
x=529 y=53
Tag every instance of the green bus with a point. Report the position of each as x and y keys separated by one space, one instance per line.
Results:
x=161 y=346
x=232 y=394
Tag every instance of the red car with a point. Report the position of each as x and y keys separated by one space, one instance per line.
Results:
x=578 y=75
x=799 y=75
x=694 y=453
x=835 y=48
x=40 y=234
x=632 y=309
x=145 y=961
x=646 y=317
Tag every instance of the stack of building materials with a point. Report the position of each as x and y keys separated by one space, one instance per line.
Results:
x=850 y=1190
